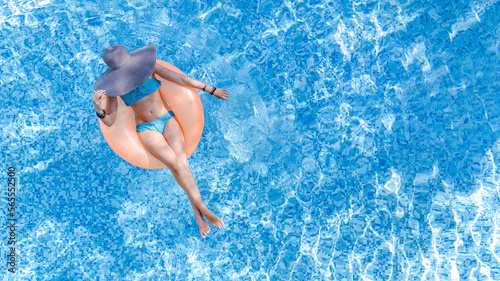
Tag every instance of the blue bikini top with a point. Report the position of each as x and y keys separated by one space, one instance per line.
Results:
x=140 y=92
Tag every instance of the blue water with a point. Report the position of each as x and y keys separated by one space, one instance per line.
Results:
x=361 y=141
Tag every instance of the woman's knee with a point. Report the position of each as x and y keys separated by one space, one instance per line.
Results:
x=177 y=166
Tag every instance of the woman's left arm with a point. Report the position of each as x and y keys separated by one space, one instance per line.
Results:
x=184 y=80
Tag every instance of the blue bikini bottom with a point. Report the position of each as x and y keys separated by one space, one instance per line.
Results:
x=157 y=125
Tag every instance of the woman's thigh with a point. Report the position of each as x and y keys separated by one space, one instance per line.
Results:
x=175 y=138
x=155 y=144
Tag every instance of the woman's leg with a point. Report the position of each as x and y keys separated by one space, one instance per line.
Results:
x=169 y=148
x=175 y=138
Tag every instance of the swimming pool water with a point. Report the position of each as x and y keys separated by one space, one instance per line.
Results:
x=361 y=141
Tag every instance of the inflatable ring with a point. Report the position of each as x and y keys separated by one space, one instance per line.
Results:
x=186 y=105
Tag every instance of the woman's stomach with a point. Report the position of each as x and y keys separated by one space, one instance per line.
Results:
x=149 y=108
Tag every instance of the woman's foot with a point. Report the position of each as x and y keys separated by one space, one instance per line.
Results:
x=203 y=225
x=214 y=220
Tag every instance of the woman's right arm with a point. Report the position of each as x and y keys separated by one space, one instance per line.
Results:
x=109 y=114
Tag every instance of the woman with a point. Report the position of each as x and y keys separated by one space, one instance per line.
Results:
x=131 y=76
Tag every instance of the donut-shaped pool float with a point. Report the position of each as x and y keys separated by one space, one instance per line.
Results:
x=186 y=105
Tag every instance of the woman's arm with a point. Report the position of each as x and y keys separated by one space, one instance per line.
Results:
x=184 y=80
x=107 y=116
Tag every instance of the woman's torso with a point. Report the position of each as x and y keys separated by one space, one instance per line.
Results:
x=149 y=107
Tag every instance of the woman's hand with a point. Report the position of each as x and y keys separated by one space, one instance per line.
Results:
x=111 y=107
x=221 y=94
x=98 y=96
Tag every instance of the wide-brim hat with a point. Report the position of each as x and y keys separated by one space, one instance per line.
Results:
x=126 y=71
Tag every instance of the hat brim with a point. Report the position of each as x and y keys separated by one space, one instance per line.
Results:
x=129 y=76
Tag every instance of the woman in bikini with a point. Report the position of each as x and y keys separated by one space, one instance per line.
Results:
x=130 y=75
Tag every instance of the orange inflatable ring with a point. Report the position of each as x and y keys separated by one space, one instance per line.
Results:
x=186 y=105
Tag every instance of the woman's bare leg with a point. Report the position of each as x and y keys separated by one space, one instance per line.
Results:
x=175 y=138
x=172 y=154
